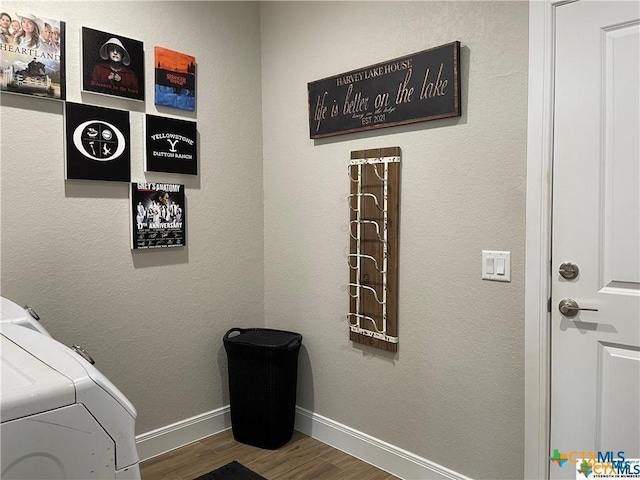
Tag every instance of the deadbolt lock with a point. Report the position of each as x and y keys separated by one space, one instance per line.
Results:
x=569 y=270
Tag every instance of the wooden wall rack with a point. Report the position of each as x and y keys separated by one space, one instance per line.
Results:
x=374 y=205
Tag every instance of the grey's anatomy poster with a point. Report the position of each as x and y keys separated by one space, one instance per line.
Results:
x=158 y=215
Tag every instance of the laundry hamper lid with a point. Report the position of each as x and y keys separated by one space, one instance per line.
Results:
x=263 y=337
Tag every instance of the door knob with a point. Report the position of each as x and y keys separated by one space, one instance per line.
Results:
x=569 y=270
x=570 y=308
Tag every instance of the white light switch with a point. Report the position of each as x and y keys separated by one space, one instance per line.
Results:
x=489 y=265
x=496 y=266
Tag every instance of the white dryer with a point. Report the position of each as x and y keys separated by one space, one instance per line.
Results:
x=61 y=418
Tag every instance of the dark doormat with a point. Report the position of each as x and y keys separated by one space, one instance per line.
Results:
x=232 y=471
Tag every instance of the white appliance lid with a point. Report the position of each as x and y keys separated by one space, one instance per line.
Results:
x=29 y=386
x=11 y=312
x=65 y=361
x=111 y=409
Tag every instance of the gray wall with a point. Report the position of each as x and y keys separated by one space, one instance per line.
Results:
x=267 y=223
x=153 y=320
x=454 y=391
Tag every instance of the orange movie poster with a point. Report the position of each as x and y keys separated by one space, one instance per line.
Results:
x=175 y=79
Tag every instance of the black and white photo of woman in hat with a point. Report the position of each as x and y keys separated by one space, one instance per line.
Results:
x=114 y=72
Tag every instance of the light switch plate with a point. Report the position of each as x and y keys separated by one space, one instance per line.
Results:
x=491 y=265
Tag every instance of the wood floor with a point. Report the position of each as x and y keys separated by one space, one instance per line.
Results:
x=303 y=458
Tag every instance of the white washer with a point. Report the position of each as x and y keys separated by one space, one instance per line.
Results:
x=11 y=312
x=61 y=418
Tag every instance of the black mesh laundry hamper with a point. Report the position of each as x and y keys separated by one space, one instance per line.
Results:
x=263 y=370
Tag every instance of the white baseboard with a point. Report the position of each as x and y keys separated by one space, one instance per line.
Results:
x=383 y=455
x=182 y=433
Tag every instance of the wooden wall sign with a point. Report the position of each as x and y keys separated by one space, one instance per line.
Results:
x=415 y=88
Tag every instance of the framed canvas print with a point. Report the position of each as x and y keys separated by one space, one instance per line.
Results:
x=419 y=87
x=175 y=79
x=158 y=215
x=97 y=143
x=171 y=145
x=112 y=64
x=32 y=55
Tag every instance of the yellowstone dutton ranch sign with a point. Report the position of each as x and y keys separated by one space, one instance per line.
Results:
x=415 y=88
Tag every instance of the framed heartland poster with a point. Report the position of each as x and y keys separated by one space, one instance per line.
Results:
x=158 y=215
x=97 y=143
x=32 y=55
x=171 y=145
x=175 y=79
x=112 y=64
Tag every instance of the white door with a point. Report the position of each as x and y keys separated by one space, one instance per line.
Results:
x=595 y=355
